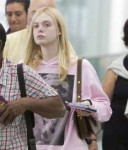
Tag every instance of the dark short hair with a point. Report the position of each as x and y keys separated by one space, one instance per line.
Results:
x=125 y=31
x=26 y=3
x=2 y=35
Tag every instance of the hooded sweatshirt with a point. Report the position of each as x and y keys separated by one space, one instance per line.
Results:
x=61 y=133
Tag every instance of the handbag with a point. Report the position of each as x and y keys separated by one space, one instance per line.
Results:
x=29 y=116
x=85 y=125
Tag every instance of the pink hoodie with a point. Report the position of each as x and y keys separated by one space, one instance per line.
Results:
x=61 y=133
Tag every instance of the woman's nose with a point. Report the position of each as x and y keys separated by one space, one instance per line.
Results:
x=40 y=29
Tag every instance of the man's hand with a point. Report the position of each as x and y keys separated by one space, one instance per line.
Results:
x=49 y=107
x=11 y=110
x=93 y=146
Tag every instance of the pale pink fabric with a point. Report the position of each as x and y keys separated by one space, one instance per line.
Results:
x=91 y=89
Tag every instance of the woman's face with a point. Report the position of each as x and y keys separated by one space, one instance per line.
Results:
x=44 y=30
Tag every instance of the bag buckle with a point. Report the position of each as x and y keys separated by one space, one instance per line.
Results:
x=79 y=116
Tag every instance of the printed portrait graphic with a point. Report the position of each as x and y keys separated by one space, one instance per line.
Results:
x=51 y=131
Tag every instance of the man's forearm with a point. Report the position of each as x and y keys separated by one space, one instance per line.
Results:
x=51 y=107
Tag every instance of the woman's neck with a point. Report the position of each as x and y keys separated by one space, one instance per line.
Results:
x=49 y=52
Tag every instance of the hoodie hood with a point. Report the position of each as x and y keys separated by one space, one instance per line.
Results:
x=52 y=61
x=52 y=64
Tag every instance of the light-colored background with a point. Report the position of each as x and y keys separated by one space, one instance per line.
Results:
x=95 y=28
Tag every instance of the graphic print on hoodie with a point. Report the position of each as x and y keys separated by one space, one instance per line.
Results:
x=51 y=131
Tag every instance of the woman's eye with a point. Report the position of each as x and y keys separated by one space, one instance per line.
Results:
x=35 y=26
x=47 y=24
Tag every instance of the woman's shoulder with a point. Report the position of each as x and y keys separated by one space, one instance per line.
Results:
x=86 y=66
x=118 y=61
x=118 y=67
x=117 y=64
x=85 y=62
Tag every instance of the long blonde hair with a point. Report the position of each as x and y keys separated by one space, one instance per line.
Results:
x=34 y=54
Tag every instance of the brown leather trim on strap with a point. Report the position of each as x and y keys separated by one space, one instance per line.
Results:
x=79 y=77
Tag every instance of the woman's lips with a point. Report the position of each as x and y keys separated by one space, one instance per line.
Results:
x=40 y=36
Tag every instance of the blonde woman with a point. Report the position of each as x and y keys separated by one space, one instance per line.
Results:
x=50 y=53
